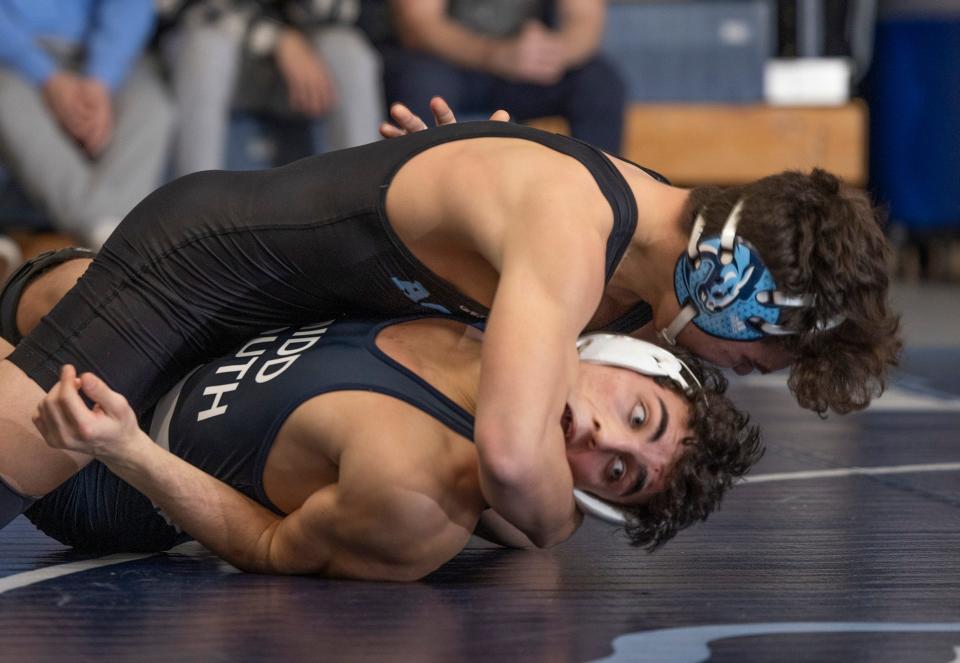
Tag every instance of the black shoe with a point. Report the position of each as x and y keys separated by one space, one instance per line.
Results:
x=13 y=288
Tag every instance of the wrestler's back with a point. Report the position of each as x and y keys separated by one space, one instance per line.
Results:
x=481 y=189
x=449 y=203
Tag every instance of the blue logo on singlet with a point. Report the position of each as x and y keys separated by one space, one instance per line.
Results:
x=415 y=292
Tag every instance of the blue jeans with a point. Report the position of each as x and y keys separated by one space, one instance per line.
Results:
x=592 y=98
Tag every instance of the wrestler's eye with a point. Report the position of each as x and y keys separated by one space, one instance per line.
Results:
x=617 y=469
x=638 y=416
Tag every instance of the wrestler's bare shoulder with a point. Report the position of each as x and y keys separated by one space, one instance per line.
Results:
x=459 y=186
x=395 y=442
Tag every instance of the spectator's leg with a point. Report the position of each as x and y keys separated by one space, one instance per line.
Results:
x=355 y=66
x=204 y=62
x=591 y=98
x=50 y=167
x=134 y=162
x=413 y=78
x=596 y=104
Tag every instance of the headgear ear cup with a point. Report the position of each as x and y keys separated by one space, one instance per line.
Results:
x=641 y=357
x=597 y=508
x=726 y=290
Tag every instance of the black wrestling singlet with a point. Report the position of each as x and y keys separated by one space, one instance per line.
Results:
x=212 y=258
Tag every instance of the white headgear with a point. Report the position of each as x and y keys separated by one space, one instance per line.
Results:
x=646 y=359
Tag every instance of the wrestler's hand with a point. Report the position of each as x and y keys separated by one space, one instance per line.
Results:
x=65 y=421
x=407 y=122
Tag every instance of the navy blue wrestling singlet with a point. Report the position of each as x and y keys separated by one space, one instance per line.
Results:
x=224 y=418
x=212 y=258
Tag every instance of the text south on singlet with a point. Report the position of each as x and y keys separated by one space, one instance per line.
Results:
x=269 y=365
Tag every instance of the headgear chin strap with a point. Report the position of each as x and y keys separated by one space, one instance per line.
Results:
x=646 y=359
x=726 y=290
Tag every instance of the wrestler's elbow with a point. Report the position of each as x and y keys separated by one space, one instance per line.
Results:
x=275 y=552
x=556 y=536
x=508 y=455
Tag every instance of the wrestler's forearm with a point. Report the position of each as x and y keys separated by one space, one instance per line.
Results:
x=548 y=289
x=221 y=518
x=524 y=474
x=532 y=504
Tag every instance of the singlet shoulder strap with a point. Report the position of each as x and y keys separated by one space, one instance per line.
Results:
x=649 y=171
x=402 y=383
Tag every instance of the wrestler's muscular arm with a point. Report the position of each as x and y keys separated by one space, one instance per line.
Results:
x=540 y=223
x=551 y=280
x=385 y=519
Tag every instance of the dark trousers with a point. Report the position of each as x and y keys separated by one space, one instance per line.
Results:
x=591 y=98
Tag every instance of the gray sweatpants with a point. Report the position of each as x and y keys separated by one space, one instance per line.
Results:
x=209 y=77
x=86 y=197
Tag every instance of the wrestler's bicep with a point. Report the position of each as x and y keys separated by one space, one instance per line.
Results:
x=401 y=515
x=550 y=285
x=381 y=523
x=393 y=536
x=406 y=535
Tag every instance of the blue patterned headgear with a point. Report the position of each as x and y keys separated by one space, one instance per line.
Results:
x=724 y=288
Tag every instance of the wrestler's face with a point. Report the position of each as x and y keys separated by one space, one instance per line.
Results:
x=623 y=433
x=765 y=355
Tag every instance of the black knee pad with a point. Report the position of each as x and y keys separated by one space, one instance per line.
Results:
x=13 y=288
x=12 y=503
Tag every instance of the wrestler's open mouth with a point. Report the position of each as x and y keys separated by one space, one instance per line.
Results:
x=566 y=423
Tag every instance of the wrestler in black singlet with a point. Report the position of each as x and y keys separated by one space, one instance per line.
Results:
x=224 y=419
x=213 y=257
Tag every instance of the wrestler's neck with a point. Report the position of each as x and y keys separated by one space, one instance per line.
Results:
x=646 y=270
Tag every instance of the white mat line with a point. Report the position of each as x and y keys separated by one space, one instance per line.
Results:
x=19 y=580
x=851 y=471
x=48 y=573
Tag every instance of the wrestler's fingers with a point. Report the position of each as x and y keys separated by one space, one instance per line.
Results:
x=112 y=403
x=40 y=425
x=47 y=420
x=51 y=436
x=442 y=113
x=500 y=116
x=71 y=409
x=387 y=130
x=50 y=410
x=406 y=119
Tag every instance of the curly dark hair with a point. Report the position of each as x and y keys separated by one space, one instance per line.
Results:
x=721 y=450
x=822 y=237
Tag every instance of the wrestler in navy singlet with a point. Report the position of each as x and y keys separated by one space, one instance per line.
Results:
x=224 y=418
x=213 y=257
